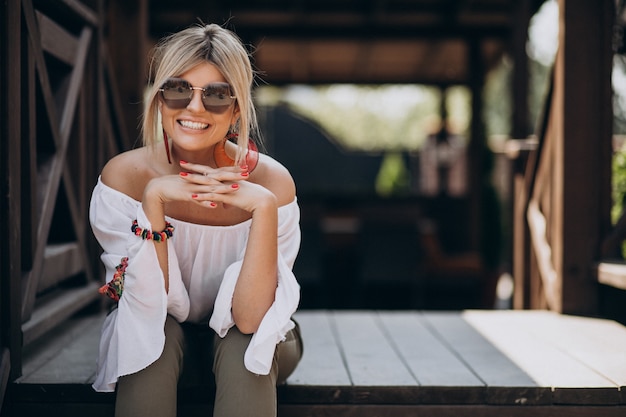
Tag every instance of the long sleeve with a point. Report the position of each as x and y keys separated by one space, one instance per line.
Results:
x=133 y=335
x=277 y=321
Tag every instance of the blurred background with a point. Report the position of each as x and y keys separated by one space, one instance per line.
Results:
x=448 y=154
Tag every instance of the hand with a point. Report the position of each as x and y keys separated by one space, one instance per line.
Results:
x=227 y=185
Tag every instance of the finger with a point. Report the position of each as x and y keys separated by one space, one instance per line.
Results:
x=214 y=192
x=203 y=201
x=208 y=171
x=201 y=179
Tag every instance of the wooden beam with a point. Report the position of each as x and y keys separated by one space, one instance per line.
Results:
x=56 y=40
x=521 y=237
x=5 y=370
x=583 y=135
x=521 y=126
x=61 y=261
x=61 y=139
x=477 y=144
x=28 y=279
x=541 y=248
x=55 y=309
x=612 y=274
x=11 y=256
x=126 y=56
x=87 y=14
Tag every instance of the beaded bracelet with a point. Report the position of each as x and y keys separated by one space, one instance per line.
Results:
x=167 y=233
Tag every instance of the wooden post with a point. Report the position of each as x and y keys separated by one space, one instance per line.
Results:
x=582 y=129
x=476 y=147
x=127 y=40
x=10 y=164
x=520 y=129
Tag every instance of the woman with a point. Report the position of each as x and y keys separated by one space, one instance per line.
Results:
x=197 y=228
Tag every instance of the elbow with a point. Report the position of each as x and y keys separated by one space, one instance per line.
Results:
x=248 y=320
x=247 y=329
x=247 y=326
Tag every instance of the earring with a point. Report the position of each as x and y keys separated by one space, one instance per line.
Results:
x=167 y=147
x=223 y=160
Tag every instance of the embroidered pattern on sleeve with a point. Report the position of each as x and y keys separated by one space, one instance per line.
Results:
x=114 y=288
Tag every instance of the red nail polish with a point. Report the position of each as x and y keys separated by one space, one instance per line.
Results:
x=194 y=195
x=182 y=162
x=244 y=174
x=235 y=186
x=213 y=204
x=184 y=174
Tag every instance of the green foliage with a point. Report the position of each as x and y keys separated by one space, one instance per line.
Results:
x=619 y=183
x=393 y=177
x=619 y=187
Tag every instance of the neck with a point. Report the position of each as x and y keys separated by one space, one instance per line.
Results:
x=202 y=158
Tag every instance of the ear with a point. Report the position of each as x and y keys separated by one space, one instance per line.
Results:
x=235 y=117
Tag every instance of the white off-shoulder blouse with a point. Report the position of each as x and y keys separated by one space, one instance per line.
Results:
x=204 y=264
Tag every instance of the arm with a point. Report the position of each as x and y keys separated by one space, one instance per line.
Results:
x=256 y=286
x=153 y=207
x=126 y=175
x=132 y=335
x=277 y=320
x=257 y=280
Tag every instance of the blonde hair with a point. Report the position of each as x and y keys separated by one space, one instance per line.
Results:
x=180 y=52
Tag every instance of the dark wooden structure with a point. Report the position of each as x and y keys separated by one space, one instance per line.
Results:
x=59 y=122
x=71 y=80
x=559 y=233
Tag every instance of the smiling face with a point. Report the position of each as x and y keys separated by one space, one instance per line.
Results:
x=193 y=131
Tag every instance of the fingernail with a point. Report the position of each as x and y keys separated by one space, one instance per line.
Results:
x=182 y=162
x=244 y=174
x=184 y=174
x=212 y=204
x=194 y=195
x=235 y=186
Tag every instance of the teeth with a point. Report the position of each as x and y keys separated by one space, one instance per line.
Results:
x=193 y=125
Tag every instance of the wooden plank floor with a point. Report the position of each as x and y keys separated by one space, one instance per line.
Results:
x=388 y=363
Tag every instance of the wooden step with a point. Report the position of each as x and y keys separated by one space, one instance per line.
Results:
x=391 y=363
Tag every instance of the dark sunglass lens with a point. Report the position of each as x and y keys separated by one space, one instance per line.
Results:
x=217 y=97
x=176 y=90
x=176 y=93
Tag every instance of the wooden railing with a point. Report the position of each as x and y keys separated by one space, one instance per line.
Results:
x=611 y=270
x=563 y=188
x=58 y=142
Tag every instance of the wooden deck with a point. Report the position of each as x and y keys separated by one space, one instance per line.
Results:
x=386 y=363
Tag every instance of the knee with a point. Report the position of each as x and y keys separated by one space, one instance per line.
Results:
x=229 y=351
x=238 y=391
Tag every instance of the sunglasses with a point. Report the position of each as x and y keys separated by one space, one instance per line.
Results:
x=177 y=93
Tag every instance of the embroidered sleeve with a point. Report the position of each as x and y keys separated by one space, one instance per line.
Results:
x=114 y=288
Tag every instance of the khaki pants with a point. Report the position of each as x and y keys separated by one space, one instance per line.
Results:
x=152 y=392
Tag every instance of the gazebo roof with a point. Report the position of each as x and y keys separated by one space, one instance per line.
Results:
x=356 y=41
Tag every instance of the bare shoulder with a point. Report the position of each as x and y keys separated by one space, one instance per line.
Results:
x=276 y=177
x=127 y=172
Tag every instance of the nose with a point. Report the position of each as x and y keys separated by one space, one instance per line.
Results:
x=196 y=104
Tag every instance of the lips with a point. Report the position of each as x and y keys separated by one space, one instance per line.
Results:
x=192 y=125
